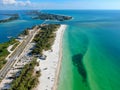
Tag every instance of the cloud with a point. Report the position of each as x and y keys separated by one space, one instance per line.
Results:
x=5 y=2
x=15 y=2
x=57 y=4
x=23 y=3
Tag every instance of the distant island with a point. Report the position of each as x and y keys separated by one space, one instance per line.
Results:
x=11 y=18
x=46 y=16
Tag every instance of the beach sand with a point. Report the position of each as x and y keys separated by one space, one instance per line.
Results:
x=50 y=67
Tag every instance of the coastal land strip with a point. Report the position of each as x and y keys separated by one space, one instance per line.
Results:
x=50 y=68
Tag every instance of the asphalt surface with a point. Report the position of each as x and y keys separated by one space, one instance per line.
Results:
x=16 y=54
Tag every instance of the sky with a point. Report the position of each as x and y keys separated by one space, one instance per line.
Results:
x=59 y=4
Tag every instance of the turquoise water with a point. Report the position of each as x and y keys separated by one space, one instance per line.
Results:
x=91 y=48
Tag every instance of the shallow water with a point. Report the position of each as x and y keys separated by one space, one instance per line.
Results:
x=91 y=51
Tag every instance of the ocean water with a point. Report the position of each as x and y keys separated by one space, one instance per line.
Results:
x=14 y=28
x=91 y=47
x=3 y=17
x=91 y=52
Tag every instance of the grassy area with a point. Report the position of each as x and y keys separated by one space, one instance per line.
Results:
x=15 y=45
x=28 y=78
x=4 y=52
x=45 y=38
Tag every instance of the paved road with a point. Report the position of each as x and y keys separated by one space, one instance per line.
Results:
x=17 y=53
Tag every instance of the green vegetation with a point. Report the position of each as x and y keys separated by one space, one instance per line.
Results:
x=28 y=79
x=4 y=52
x=15 y=45
x=45 y=38
x=25 y=32
x=13 y=17
x=45 y=16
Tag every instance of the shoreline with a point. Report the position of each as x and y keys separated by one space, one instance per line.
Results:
x=50 y=68
x=59 y=62
x=18 y=63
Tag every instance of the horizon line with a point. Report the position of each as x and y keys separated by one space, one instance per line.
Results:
x=58 y=9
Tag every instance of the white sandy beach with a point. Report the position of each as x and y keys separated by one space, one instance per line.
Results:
x=51 y=66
